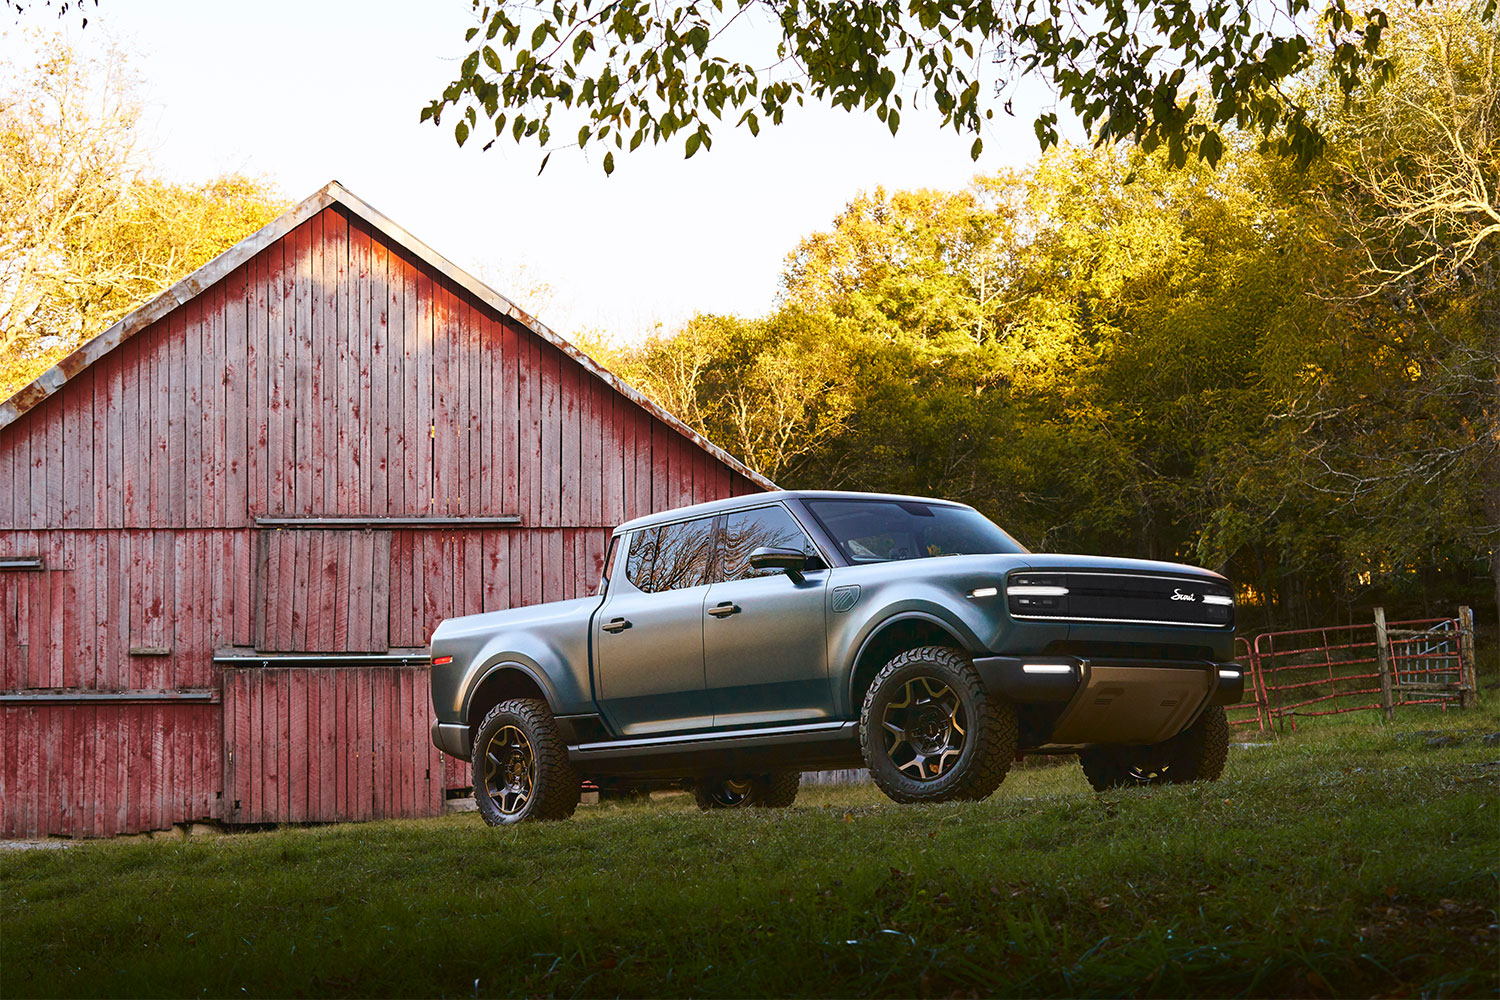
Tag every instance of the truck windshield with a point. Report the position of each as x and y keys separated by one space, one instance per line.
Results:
x=869 y=531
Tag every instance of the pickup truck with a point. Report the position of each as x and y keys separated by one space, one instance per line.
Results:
x=732 y=645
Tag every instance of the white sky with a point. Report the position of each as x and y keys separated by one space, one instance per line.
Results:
x=305 y=92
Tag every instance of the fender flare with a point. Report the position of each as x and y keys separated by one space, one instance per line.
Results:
x=510 y=660
x=964 y=637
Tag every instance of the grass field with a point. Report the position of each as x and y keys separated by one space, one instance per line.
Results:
x=1352 y=859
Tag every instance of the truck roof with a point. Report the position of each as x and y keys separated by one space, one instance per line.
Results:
x=760 y=499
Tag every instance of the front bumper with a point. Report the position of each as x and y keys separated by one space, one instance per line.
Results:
x=1113 y=700
x=452 y=738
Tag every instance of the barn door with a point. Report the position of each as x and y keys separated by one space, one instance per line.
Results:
x=323 y=591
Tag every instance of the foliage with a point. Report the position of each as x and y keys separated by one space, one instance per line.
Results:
x=1158 y=72
x=86 y=232
x=1256 y=885
x=1110 y=354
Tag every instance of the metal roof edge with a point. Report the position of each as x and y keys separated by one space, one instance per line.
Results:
x=194 y=284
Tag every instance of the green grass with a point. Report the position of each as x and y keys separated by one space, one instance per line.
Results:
x=1350 y=859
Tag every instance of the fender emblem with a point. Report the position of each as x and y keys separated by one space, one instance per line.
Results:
x=844 y=598
x=1178 y=595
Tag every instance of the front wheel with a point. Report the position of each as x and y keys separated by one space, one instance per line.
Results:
x=1198 y=753
x=769 y=791
x=931 y=733
x=521 y=767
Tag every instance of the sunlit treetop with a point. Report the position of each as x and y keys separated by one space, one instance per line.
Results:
x=1171 y=74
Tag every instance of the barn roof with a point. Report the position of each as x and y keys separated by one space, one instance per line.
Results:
x=332 y=193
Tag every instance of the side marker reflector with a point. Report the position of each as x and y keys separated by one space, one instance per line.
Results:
x=985 y=592
x=1046 y=668
x=439 y=661
x=1230 y=675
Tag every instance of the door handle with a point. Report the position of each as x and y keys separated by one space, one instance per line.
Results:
x=724 y=610
x=615 y=625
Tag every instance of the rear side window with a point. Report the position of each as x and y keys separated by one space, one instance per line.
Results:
x=670 y=557
x=747 y=530
x=642 y=557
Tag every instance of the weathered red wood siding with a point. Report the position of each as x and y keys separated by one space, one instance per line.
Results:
x=335 y=373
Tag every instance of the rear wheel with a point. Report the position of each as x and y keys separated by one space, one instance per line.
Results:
x=930 y=732
x=1198 y=753
x=521 y=767
x=771 y=791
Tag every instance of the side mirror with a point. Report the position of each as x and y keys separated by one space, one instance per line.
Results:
x=793 y=561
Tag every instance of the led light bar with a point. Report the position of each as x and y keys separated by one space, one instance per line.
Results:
x=1029 y=590
x=1219 y=599
x=1046 y=668
x=984 y=592
x=1229 y=675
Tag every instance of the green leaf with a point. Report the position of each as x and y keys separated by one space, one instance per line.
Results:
x=461 y=132
x=609 y=164
x=975 y=149
x=693 y=142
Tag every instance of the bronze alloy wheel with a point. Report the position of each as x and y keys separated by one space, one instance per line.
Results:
x=731 y=792
x=925 y=728
x=509 y=770
x=929 y=732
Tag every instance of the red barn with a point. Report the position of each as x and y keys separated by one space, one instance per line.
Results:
x=229 y=523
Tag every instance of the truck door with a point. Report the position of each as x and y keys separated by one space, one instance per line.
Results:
x=765 y=642
x=648 y=635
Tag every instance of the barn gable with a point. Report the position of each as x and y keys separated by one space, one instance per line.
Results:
x=235 y=516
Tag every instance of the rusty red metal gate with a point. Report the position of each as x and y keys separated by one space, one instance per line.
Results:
x=1337 y=669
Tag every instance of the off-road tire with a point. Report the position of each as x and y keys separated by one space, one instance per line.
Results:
x=765 y=791
x=555 y=784
x=988 y=747
x=1198 y=753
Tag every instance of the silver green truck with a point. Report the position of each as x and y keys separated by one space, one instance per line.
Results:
x=733 y=645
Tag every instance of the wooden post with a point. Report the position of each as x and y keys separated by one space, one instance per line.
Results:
x=1383 y=654
x=1469 y=675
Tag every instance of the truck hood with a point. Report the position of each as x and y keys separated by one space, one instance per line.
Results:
x=1033 y=560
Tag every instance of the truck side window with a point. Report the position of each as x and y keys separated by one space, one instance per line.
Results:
x=747 y=530
x=682 y=554
x=641 y=558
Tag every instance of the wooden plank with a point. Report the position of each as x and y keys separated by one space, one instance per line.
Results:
x=507 y=391
x=336 y=586
x=306 y=328
x=550 y=470
x=198 y=382
x=324 y=358
x=531 y=430
x=280 y=282
x=612 y=461
x=359 y=630
x=380 y=597
x=364 y=743
x=380 y=413
x=361 y=344
x=332 y=752
x=313 y=738
x=341 y=476
x=255 y=387
x=418 y=398
x=571 y=400
x=238 y=400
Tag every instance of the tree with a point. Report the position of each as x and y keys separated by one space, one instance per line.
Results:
x=1412 y=199
x=86 y=234
x=1166 y=73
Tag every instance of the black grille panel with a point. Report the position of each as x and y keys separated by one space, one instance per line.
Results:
x=1079 y=595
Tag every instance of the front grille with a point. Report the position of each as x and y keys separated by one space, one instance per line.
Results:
x=1100 y=596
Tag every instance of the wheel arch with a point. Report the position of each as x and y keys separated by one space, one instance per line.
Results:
x=502 y=680
x=895 y=635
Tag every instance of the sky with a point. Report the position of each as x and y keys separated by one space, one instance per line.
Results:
x=317 y=90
